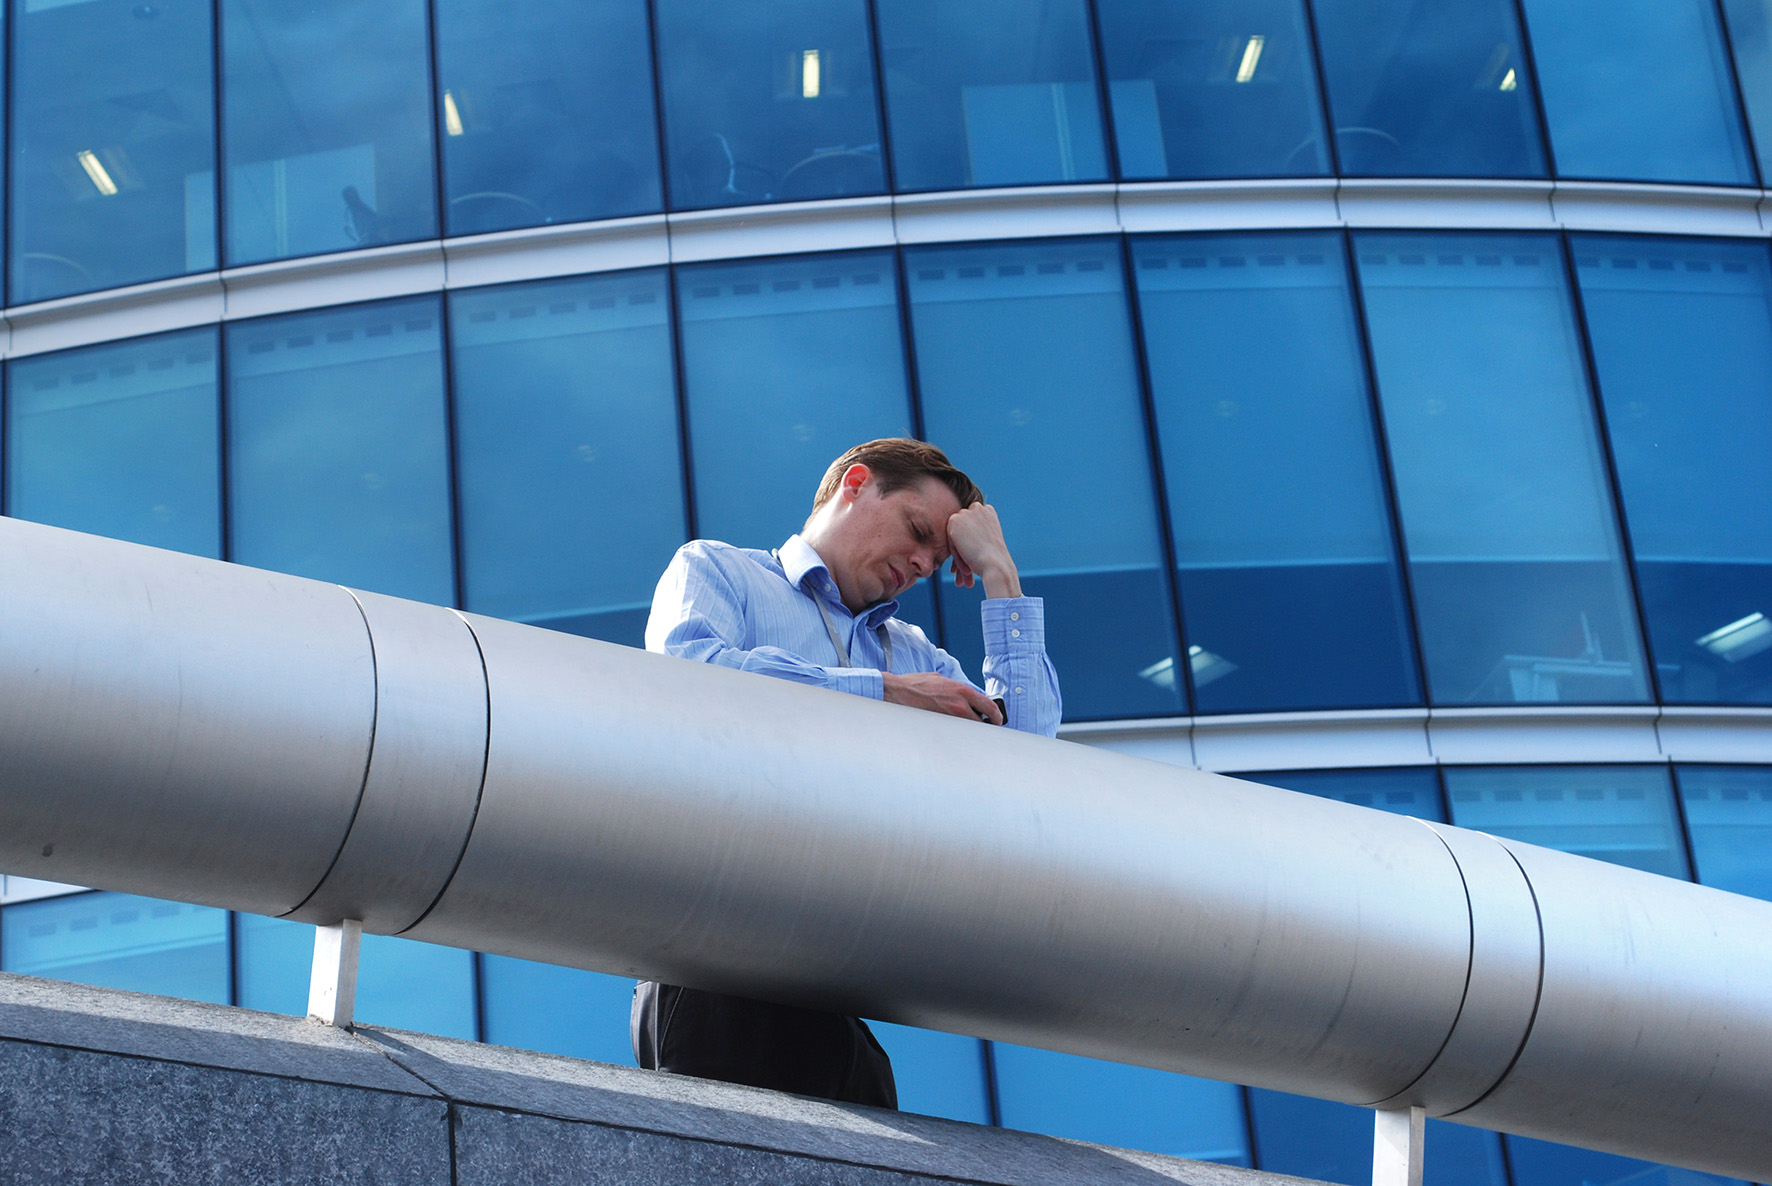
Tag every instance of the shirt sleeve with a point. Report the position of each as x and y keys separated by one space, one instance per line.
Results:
x=1016 y=669
x=699 y=613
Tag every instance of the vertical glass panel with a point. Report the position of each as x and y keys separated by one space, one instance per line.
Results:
x=937 y=1074
x=1749 y=24
x=1514 y=553
x=1024 y=352
x=556 y=1010
x=991 y=92
x=1729 y=816
x=1682 y=341
x=1622 y=814
x=1638 y=91
x=120 y=941
x=1332 y=1142
x=1221 y=88
x=338 y=460
x=547 y=112
x=326 y=127
x=113 y=168
x=570 y=467
x=1406 y=790
x=119 y=440
x=1540 y=1163
x=1429 y=88
x=1287 y=569
x=771 y=100
x=1111 y=1103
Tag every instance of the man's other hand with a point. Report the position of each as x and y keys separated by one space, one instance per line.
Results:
x=975 y=540
x=938 y=693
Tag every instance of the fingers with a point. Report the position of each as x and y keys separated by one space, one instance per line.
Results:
x=982 y=706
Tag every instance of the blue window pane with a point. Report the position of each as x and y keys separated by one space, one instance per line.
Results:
x=937 y=1074
x=1750 y=38
x=771 y=100
x=1622 y=814
x=1638 y=91
x=1513 y=544
x=556 y=1010
x=326 y=127
x=338 y=461
x=113 y=169
x=120 y=941
x=991 y=92
x=1729 y=816
x=1540 y=1163
x=1111 y=1103
x=1024 y=353
x=1224 y=88
x=119 y=440
x=1682 y=341
x=1429 y=89
x=275 y=958
x=1406 y=790
x=569 y=462
x=1288 y=573
x=547 y=112
x=1333 y=1143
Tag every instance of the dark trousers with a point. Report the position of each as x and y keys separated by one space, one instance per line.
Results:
x=737 y=1040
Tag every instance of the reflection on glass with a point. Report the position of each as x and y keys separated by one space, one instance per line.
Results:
x=937 y=1074
x=1429 y=88
x=1682 y=342
x=1750 y=39
x=113 y=168
x=1224 y=88
x=991 y=92
x=1111 y=1103
x=1729 y=816
x=547 y=112
x=1514 y=553
x=771 y=100
x=338 y=462
x=1025 y=360
x=111 y=940
x=1287 y=570
x=1332 y=1142
x=1638 y=91
x=326 y=127
x=557 y=1010
x=119 y=440
x=1405 y=790
x=1622 y=814
x=570 y=469
x=1540 y=1163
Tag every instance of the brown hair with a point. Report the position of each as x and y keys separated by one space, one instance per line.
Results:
x=897 y=463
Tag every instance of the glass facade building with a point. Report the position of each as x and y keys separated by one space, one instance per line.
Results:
x=1378 y=392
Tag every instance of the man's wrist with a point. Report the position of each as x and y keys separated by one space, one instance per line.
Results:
x=1002 y=581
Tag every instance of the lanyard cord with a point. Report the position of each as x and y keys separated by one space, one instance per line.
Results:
x=830 y=627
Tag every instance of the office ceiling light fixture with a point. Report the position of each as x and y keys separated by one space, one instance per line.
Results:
x=809 y=74
x=1740 y=639
x=95 y=169
x=1251 y=56
x=1510 y=81
x=451 y=114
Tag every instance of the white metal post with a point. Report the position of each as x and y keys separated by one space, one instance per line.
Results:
x=332 y=989
x=1397 y=1140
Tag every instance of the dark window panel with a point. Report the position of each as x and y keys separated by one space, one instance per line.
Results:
x=1025 y=359
x=557 y=1010
x=1224 y=88
x=1287 y=568
x=547 y=112
x=569 y=463
x=1405 y=790
x=991 y=92
x=1729 y=816
x=1429 y=89
x=937 y=1074
x=772 y=100
x=338 y=459
x=1682 y=341
x=1638 y=91
x=1332 y=1142
x=113 y=168
x=111 y=940
x=1622 y=814
x=1749 y=24
x=1541 y=1163
x=119 y=440
x=326 y=127
x=1514 y=553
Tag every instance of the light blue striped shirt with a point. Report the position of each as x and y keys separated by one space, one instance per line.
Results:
x=747 y=610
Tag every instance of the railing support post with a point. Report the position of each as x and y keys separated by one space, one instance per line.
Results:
x=332 y=988
x=1397 y=1140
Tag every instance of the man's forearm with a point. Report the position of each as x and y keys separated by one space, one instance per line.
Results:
x=1001 y=581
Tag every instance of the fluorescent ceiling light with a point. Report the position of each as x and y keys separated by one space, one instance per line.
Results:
x=1202 y=663
x=1251 y=55
x=1510 y=81
x=1740 y=639
x=451 y=115
x=809 y=74
x=95 y=169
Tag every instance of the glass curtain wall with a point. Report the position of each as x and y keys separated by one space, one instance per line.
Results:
x=1729 y=817
x=1622 y=814
x=1748 y=28
x=121 y=941
x=113 y=144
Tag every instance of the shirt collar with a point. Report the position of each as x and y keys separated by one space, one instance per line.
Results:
x=806 y=570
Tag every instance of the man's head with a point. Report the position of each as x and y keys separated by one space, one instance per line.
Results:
x=879 y=520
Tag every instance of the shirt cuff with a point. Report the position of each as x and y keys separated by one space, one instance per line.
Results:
x=1014 y=625
x=859 y=681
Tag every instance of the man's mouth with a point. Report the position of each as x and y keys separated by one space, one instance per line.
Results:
x=897 y=578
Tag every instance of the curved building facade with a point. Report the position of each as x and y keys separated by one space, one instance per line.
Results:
x=1378 y=391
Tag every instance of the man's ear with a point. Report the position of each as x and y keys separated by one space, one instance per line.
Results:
x=855 y=480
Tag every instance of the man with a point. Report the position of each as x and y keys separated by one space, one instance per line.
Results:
x=819 y=610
